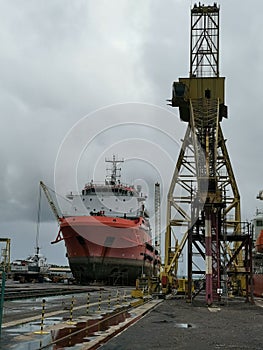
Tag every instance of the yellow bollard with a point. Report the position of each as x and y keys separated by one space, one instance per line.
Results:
x=42 y=319
x=109 y=301
x=124 y=296
x=118 y=298
x=99 y=302
x=88 y=298
x=71 y=312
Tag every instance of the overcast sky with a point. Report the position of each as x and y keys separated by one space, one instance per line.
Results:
x=103 y=70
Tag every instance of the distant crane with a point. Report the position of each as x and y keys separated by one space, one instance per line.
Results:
x=5 y=254
x=4 y=268
x=53 y=207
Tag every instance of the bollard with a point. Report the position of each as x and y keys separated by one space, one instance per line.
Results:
x=124 y=296
x=71 y=312
x=99 y=302
x=109 y=301
x=118 y=298
x=42 y=319
x=88 y=297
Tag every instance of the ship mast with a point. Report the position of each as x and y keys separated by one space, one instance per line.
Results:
x=115 y=171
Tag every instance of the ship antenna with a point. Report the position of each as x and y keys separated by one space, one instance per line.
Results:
x=115 y=171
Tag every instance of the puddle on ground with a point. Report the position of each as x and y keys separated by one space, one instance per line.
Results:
x=13 y=310
x=177 y=325
x=22 y=337
x=183 y=325
x=61 y=335
x=86 y=330
x=32 y=326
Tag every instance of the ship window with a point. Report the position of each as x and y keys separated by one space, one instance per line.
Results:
x=123 y=199
x=259 y=223
x=83 y=199
x=90 y=199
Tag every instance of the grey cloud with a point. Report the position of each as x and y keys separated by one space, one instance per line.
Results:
x=61 y=60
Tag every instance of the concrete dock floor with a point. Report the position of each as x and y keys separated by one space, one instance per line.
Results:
x=174 y=324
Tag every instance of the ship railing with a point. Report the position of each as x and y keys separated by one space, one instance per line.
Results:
x=118 y=189
x=108 y=185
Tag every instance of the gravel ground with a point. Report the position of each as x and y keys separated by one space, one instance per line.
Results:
x=174 y=324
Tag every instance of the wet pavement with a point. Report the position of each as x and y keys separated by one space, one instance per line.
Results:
x=87 y=319
x=174 y=324
x=70 y=321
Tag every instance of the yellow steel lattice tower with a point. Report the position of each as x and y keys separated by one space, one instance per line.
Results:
x=203 y=206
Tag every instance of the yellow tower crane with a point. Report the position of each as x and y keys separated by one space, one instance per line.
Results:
x=203 y=208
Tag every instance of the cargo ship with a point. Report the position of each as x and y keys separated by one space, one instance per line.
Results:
x=107 y=232
x=257 y=225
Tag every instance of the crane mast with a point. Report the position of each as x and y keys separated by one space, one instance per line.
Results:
x=203 y=208
x=50 y=201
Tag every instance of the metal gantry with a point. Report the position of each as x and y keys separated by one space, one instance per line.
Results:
x=4 y=270
x=5 y=254
x=203 y=206
x=157 y=216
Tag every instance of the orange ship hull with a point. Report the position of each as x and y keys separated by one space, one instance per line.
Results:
x=108 y=249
